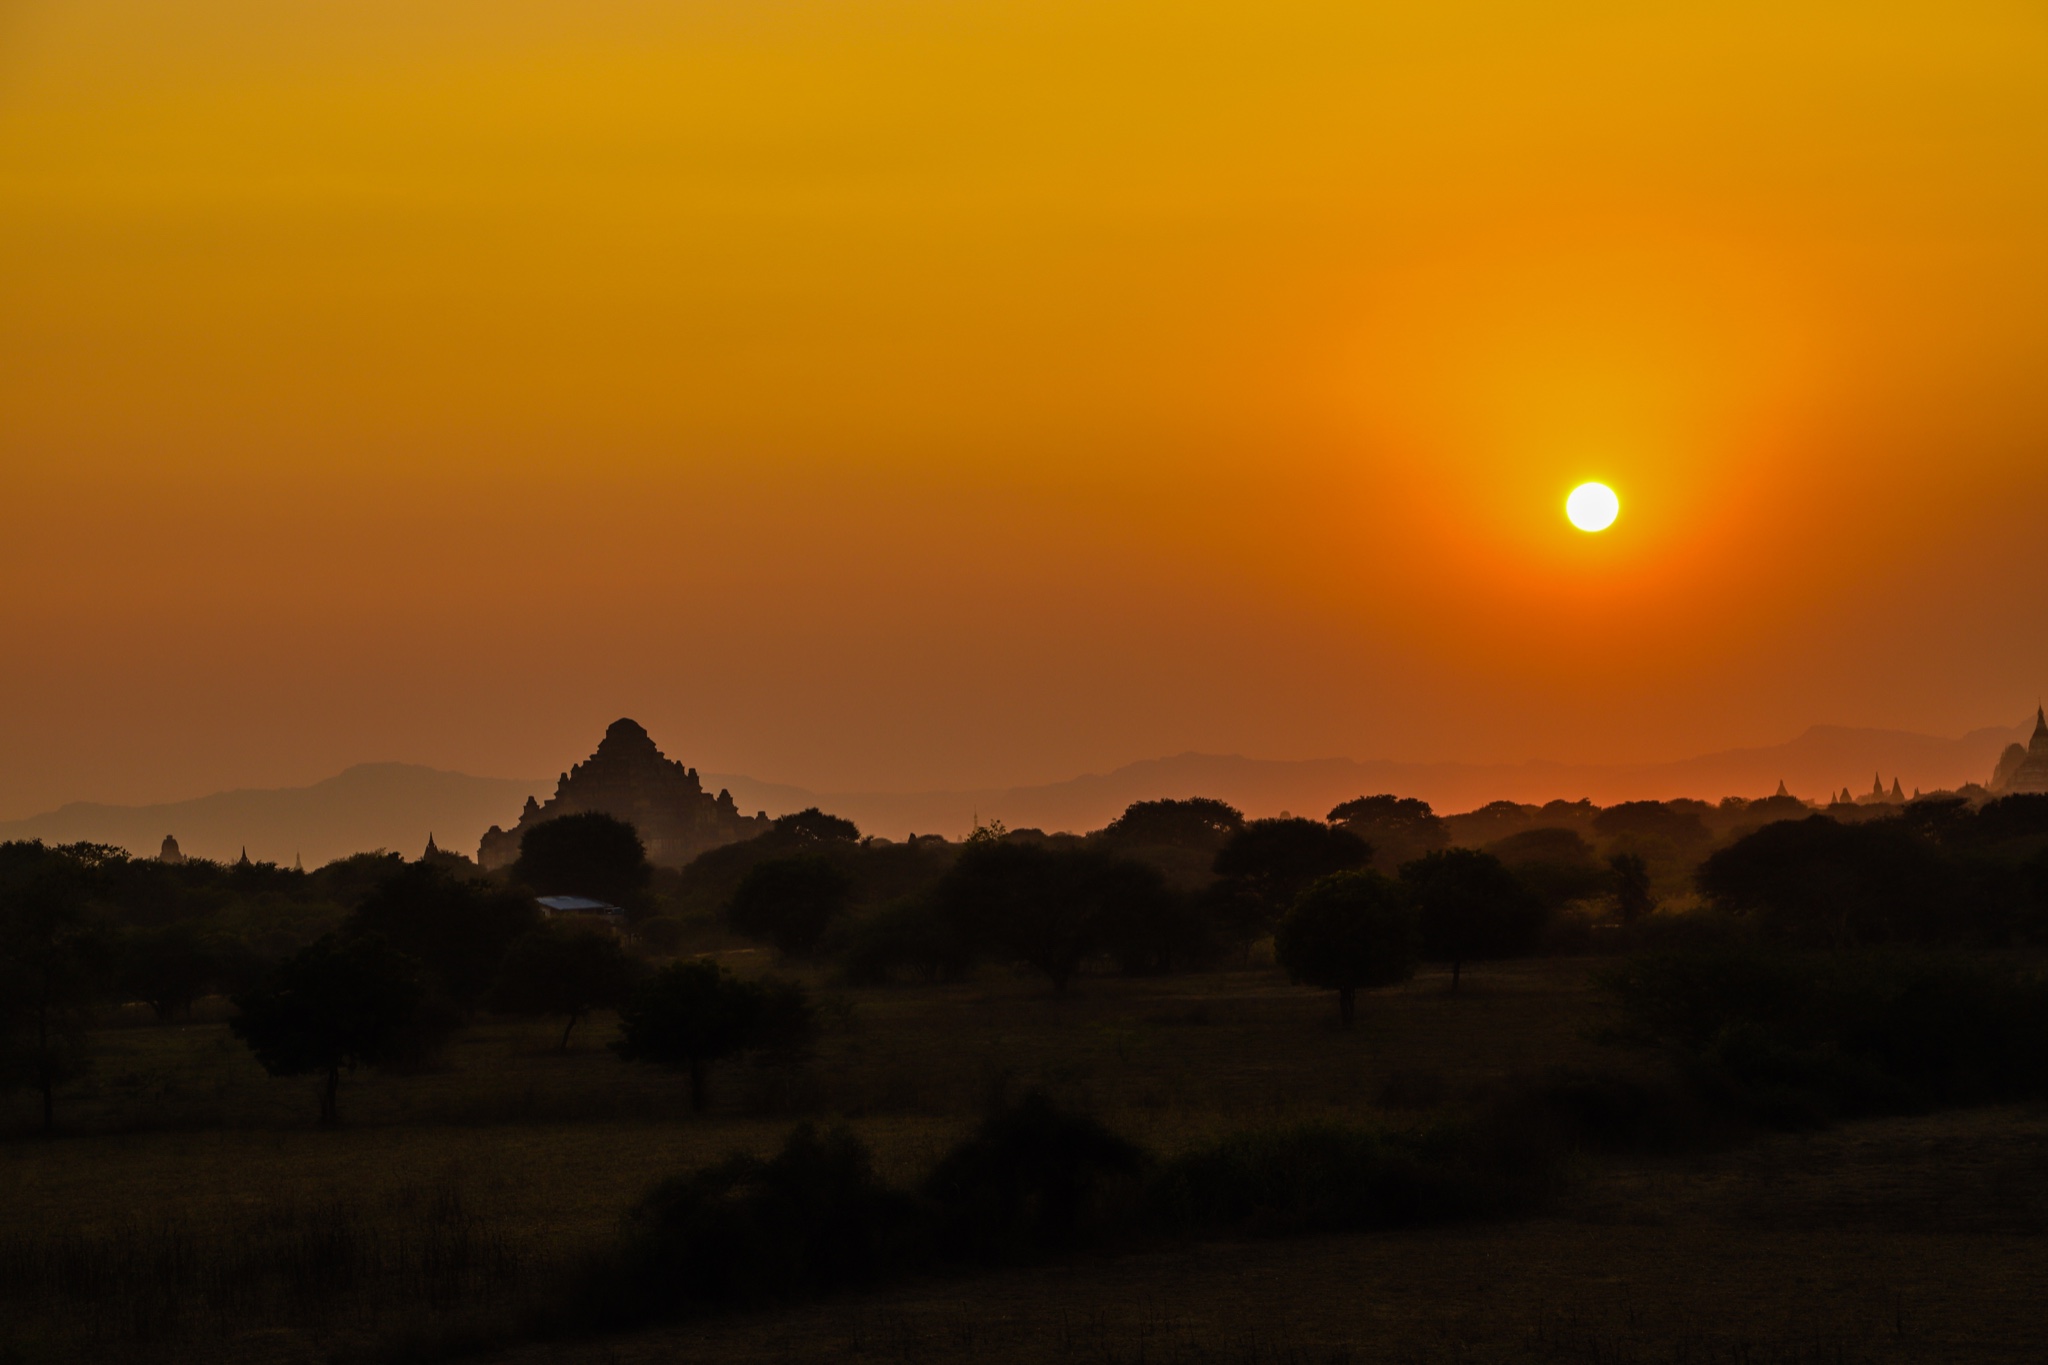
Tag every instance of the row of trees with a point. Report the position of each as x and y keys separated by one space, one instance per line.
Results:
x=1170 y=884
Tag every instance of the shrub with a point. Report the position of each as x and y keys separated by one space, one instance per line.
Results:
x=810 y=1220
x=1031 y=1181
x=1797 y=1038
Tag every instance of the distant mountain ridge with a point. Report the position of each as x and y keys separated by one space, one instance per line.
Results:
x=396 y=805
x=369 y=806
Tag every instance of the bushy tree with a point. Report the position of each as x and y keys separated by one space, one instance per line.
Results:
x=1050 y=908
x=790 y=902
x=588 y=854
x=1556 y=866
x=347 y=1001
x=1348 y=931
x=54 y=967
x=1399 y=828
x=564 y=971
x=1471 y=908
x=1665 y=822
x=1268 y=863
x=1199 y=822
x=1819 y=882
x=812 y=826
x=690 y=1015
x=457 y=929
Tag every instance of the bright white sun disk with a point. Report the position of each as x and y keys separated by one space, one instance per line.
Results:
x=1592 y=507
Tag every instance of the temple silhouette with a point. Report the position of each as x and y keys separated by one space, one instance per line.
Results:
x=2024 y=768
x=630 y=779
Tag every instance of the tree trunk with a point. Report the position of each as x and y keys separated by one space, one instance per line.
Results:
x=330 y=1109
x=1347 y=1005
x=565 y=1033
x=698 y=1094
x=46 y=1070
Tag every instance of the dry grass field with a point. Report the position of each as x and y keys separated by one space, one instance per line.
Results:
x=190 y=1208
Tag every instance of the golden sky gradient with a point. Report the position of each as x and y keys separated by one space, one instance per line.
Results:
x=975 y=391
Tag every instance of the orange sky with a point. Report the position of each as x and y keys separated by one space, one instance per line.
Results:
x=946 y=392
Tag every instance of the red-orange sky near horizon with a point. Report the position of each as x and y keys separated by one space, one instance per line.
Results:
x=971 y=392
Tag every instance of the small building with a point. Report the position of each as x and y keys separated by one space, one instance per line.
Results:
x=582 y=906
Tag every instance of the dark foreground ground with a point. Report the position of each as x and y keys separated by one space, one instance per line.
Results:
x=190 y=1210
x=1905 y=1240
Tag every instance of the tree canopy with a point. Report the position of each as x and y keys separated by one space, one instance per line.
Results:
x=457 y=929
x=588 y=854
x=1268 y=863
x=346 y=1001
x=790 y=902
x=1471 y=908
x=565 y=971
x=692 y=1014
x=1198 y=822
x=1348 y=931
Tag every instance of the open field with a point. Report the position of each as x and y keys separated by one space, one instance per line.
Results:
x=1903 y=1240
x=191 y=1204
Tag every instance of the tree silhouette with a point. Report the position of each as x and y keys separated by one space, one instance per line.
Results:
x=790 y=902
x=692 y=1014
x=1631 y=886
x=1399 y=828
x=346 y=1001
x=1349 y=930
x=589 y=854
x=458 y=930
x=1471 y=908
x=1198 y=822
x=1268 y=863
x=565 y=971
x=813 y=826
x=53 y=967
x=1048 y=907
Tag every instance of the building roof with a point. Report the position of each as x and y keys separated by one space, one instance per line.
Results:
x=575 y=905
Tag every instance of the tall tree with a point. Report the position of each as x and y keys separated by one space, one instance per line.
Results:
x=565 y=971
x=1399 y=828
x=1471 y=908
x=346 y=1001
x=457 y=929
x=1349 y=931
x=1268 y=863
x=589 y=854
x=54 y=968
x=690 y=1015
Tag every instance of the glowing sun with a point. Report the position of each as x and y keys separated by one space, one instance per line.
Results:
x=1592 y=507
